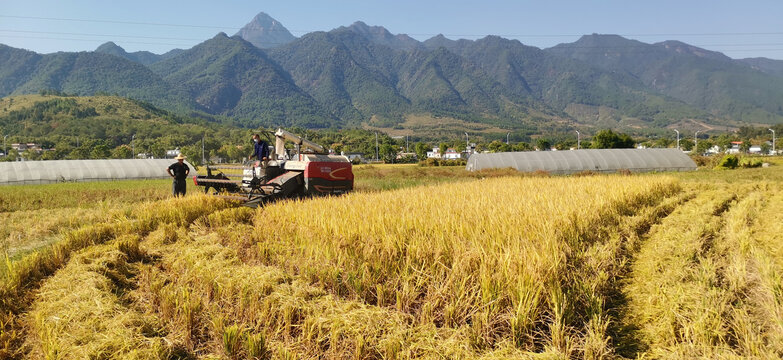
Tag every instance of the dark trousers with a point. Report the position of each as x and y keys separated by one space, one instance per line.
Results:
x=179 y=187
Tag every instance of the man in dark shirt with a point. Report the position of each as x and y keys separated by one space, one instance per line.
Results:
x=260 y=151
x=179 y=171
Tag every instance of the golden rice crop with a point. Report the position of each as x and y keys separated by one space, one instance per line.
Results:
x=592 y=267
x=705 y=280
x=494 y=255
x=487 y=268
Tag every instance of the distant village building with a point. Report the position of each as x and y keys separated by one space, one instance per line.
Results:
x=404 y=155
x=434 y=154
x=735 y=147
x=469 y=150
x=755 y=149
x=170 y=154
x=20 y=147
x=353 y=156
x=451 y=154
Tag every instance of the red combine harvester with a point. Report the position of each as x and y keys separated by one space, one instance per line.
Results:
x=309 y=171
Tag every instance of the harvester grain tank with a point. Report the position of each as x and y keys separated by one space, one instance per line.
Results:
x=308 y=171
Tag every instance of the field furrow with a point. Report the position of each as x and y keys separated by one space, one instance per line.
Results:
x=21 y=279
x=696 y=278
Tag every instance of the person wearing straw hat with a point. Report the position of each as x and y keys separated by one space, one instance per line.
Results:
x=179 y=171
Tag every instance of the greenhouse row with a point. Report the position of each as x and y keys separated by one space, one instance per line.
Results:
x=596 y=160
x=51 y=171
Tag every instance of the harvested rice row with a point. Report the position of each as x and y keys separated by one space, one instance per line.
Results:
x=216 y=305
x=20 y=279
x=689 y=288
x=753 y=272
x=82 y=312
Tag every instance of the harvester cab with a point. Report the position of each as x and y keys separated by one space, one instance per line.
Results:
x=309 y=171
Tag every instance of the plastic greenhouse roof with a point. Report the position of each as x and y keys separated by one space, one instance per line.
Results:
x=598 y=160
x=51 y=171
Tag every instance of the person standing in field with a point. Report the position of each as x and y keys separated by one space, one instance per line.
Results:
x=179 y=171
x=260 y=151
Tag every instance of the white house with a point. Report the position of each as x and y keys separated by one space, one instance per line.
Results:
x=755 y=149
x=434 y=154
x=451 y=154
x=735 y=147
x=170 y=154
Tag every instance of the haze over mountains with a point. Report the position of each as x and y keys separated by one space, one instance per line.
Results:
x=361 y=75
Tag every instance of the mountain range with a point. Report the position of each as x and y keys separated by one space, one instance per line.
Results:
x=364 y=76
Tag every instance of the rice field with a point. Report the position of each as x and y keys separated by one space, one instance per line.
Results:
x=443 y=265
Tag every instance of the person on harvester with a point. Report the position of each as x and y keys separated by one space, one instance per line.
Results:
x=260 y=151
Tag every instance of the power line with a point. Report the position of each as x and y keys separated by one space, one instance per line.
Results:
x=197 y=39
x=99 y=35
x=117 y=22
x=410 y=34
x=642 y=49
x=88 y=40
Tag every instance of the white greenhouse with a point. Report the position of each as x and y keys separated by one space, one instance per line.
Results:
x=574 y=161
x=51 y=171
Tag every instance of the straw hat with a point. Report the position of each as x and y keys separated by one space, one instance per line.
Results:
x=180 y=157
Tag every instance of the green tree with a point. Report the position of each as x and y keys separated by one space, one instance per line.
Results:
x=122 y=152
x=100 y=151
x=49 y=155
x=192 y=153
x=388 y=153
x=81 y=152
x=522 y=146
x=608 y=139
x=31 y=155
x=745 y=146
x=766 y=148
x=686 y=144
x=703 y=146
x=663 y=143
x=498 y=146
x=543 y=144
x=421 y=150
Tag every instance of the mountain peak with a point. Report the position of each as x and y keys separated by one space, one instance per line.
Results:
x=110 y=47
x=380 y=35
x=438 y=41
x=265 y=32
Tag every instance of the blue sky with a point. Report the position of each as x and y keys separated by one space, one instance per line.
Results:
x=737 y=28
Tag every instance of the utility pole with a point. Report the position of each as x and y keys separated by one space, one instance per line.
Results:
x=578 y=140
x=773 y=141
x=203 y=159
x=678 y=138
x=133 y=146
x=696 y=141
x=507 y=134
x=467 y=141
x=5 y=147
x=376 y=146
x=406 y=143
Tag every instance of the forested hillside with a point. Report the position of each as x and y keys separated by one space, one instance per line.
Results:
x=363 y=76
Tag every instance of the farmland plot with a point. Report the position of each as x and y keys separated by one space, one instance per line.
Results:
x=512 y=267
